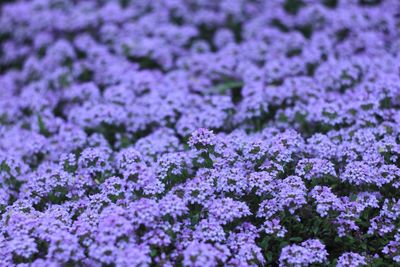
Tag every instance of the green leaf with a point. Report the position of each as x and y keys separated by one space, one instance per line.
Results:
x=222 y=88
x=269 y=256
x=153 y=252
x=42 y=127
x=296 y=239
x=195 y=219
x=353 y=197
x=264 y=242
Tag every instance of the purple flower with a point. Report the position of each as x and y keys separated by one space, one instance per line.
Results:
x=309 y=252
x=351 y=259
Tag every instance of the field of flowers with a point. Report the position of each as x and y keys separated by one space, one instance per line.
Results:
x=200 y=133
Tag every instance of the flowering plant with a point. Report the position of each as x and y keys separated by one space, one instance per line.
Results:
x=200 y=133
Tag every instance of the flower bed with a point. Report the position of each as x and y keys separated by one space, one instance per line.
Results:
x=200 y=133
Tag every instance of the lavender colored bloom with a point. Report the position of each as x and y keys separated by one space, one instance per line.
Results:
x=274 y=227
x=202 y=138
x=203 y=254
x=351 y=259
x=309 y=252
x=315 y=168
x=225 y=210
x=325 y=200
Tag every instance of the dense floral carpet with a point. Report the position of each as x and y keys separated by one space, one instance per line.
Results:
x=200 y=133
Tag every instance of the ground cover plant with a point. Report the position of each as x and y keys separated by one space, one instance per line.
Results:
x=200 y=133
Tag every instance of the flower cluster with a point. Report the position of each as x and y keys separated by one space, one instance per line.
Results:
x=200 y=133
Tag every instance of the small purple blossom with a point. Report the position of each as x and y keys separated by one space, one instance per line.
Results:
x=351 y=259
x=309 y=252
